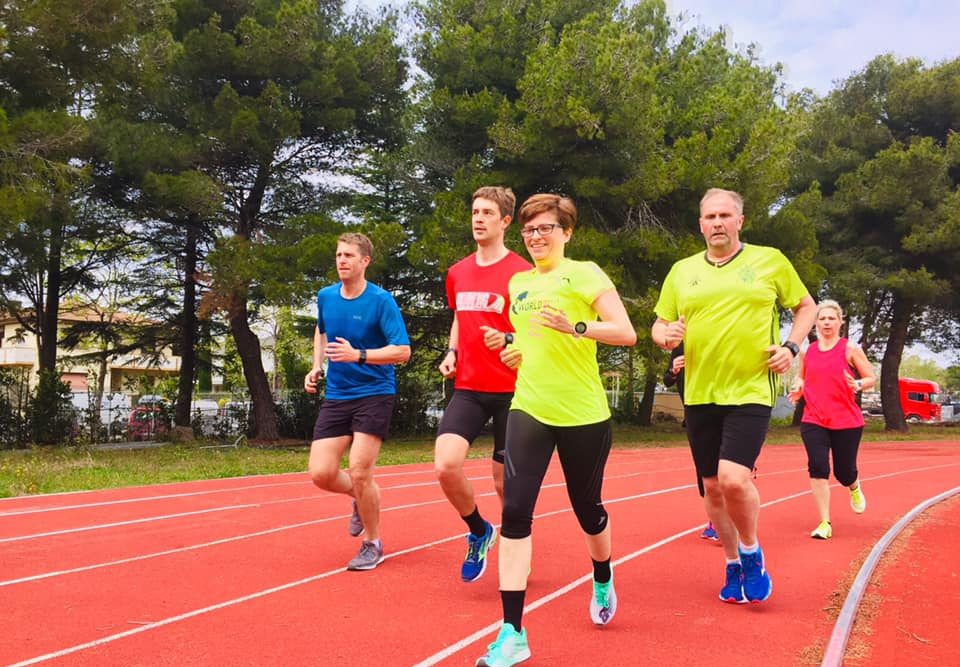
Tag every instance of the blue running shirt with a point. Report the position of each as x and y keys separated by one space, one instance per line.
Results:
x=369 y=321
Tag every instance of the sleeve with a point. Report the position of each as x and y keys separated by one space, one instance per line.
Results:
x=666 y=308
x=391 y=323
x=790 y=289
x=451 y=291
x=320 y=326
x=592 y=282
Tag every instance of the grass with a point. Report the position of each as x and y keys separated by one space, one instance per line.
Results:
x=57 y=469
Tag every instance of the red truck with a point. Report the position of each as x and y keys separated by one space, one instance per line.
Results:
x=920 y=400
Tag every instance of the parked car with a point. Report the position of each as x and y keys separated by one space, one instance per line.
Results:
x=147 y=422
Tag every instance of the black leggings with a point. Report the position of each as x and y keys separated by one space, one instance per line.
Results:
x=843 y=442
x=583 y=452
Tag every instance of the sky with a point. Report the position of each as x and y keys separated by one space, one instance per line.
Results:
x=820 y=42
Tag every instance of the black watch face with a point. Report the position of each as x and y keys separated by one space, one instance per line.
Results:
x=508 y=339
x=580 y=328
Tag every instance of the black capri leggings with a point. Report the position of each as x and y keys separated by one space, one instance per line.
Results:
x=583 y=452
x=820 y=442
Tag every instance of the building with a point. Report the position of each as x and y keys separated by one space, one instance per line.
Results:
x=126 y=373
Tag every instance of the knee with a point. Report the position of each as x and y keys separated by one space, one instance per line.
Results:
x=732 y=485
x=498 y=486
x=322 y=476
x=361 y=475
x=846 y=477
x=517 y=522
x=447 y=471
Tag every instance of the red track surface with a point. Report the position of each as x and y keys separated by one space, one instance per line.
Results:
x=250 y=571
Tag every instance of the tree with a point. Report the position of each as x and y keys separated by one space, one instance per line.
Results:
x=269 y=98
x=883 y=161
x=633 y=119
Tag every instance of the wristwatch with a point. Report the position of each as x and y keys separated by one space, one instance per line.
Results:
x=579 y=329
x=507 y=339
x=858 y=384
x=363 y=358
x=793 y=347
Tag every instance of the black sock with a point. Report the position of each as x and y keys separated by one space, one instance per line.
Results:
x=601 y=571
x=512 y=607
x=475 y=522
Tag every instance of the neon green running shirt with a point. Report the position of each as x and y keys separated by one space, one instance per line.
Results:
x=559 y=380
x=732 y=316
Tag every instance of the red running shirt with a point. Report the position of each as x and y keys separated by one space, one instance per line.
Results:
x=828 y=400
x=479 y=296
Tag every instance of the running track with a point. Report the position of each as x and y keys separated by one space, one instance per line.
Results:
x=249 y=571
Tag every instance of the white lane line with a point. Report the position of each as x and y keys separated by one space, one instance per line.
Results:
x=292 y=526
x=278 y=529
x=456 y=647
x=104 y=503
x=164 y=517
x=489 y=629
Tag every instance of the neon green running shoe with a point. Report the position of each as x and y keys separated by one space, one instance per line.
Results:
x=510 y=648
x=822 y=532
x=858 y=502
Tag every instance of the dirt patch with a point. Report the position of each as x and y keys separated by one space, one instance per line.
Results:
x=859 y=645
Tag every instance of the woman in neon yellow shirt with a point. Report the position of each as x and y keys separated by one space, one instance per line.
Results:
x=560 y=309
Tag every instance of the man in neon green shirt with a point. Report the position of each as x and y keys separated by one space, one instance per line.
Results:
x=723 y=305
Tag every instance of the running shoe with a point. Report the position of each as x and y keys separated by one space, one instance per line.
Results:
x=603 y=602
x=858 y=502
x=822 y=532
x=710 y=533
x=356 y=523
x=510 y=648
x=369 y=556
x=757 y=585
x=732 y=591
x=475 y=564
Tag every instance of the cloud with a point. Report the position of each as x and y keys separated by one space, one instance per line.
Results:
x=820 y=42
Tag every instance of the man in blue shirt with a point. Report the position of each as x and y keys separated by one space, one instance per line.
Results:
x=359 y=336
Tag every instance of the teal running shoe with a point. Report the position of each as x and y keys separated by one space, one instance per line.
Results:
x=603 y=603
x=510 y=648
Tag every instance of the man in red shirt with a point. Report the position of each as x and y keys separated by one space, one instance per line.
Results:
x=483 y=386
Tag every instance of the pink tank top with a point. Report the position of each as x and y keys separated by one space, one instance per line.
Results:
x=828 y=400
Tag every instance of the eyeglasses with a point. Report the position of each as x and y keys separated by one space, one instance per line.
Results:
x=542 y=230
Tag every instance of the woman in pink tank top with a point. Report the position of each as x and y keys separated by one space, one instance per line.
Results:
x=832 y=423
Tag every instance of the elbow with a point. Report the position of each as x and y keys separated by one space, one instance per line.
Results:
x=403 y=355
x=630 y=339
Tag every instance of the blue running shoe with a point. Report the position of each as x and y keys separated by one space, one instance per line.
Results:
x=732 y=591
x=475 y=564
x=710 y=533
x=757 y=584
x=510 y=648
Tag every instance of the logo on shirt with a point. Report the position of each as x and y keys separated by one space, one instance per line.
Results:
x=480 y=302
x=523 y=305
x=748 y=275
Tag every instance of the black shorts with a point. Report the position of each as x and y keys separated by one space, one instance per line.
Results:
x=370 y=414
x=730 y=432
x=468 y=412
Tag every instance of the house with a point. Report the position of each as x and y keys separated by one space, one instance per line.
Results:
x=123 y=374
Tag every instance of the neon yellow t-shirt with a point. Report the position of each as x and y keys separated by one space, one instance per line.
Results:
x=559 y=380
x=732 y=316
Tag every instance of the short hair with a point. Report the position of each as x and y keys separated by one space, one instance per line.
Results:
x=504 y=198
x=735 y=196
x=830 y=303
x=563 y=207
x=359 y=240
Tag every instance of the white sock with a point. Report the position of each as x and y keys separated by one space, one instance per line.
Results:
x=731 y=561
x=752 y=549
